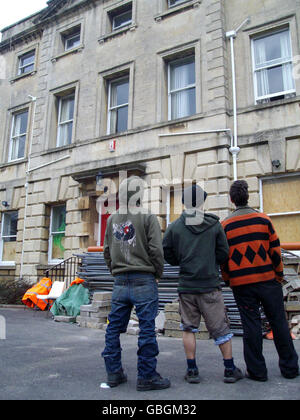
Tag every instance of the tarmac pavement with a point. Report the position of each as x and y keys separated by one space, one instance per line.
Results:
x=46 y=360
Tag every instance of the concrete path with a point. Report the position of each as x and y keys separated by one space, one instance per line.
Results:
x=46 y=360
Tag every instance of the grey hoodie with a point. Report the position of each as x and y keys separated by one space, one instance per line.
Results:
x=133 y=240
x=198 y=250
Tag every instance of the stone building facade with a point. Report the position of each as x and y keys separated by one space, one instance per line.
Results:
x=143 y=87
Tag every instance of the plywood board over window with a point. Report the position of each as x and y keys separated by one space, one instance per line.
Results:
x=281 y=201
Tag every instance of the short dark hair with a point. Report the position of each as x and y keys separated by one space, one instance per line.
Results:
x=239 y=193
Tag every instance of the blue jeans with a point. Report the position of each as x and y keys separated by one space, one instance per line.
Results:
x=137 y=289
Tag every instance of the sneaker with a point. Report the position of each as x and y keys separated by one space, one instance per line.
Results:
x=256 y=378
x=156 y=382
x=115 y=379
x=232 y=376
x=192 y=376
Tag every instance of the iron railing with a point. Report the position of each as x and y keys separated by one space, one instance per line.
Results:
x=64 y=271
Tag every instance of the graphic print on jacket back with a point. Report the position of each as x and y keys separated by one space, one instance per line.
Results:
x=125 y=234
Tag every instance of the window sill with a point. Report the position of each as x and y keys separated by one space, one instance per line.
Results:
x=12 y=163
x=9 y=266
x=177 y=9
x=66 y=53
x=22 y=76
x=121 y=31
x=279 y=102
x=58 y=149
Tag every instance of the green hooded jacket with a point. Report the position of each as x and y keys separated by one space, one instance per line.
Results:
x=198 y=249
x=133 y=239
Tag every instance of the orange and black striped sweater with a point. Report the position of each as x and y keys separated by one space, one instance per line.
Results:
x=254 y=250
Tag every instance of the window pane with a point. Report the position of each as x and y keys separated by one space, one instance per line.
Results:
x=183 y=103
x=58 y=219
x=175 y=2
x=67 y=109
x=27 y=69
x=182 y=74
x=20 y=123
x=272 y=49
x=119 y=120
x=9 y=235
x=17 y=150
x=273 y=64
x=65 y=134
x=14 y=149
x=275 y=80
x=10 y=221
x=27 y=59
x=26 y=63
x=122 y=118
x=122 y=19
x=58 y=246
x=119 y=93
x=72 y=41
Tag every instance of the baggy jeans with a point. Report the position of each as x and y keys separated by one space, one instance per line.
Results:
x=248 y=298
x=137 y=289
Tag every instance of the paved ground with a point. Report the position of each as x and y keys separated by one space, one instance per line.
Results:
x=46 y=360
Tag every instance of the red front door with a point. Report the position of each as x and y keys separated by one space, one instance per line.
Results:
x=103 y=222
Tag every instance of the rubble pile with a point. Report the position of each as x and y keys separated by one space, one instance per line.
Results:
x=291 y=291
x=95 y=315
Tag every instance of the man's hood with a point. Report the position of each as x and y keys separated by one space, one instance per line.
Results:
x=198 y=221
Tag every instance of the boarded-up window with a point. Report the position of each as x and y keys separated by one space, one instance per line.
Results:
x=281 y=201
x=8 y=236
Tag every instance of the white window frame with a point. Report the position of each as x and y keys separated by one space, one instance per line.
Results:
x=188 y=87
x=21 y=68
x=125 y=23
x=7 y=236
x=112 y=108
x=258 y=99
x=12 y=137
x=50 y=260
x=62 y=123
x=69 y=37
x=177 y=2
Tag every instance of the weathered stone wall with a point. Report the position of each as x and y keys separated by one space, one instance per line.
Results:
x=265 y=132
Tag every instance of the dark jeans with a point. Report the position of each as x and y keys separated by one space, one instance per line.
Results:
x=249 y=298
x=140 y=290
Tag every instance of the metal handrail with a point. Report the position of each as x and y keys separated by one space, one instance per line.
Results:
x=65 y=271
